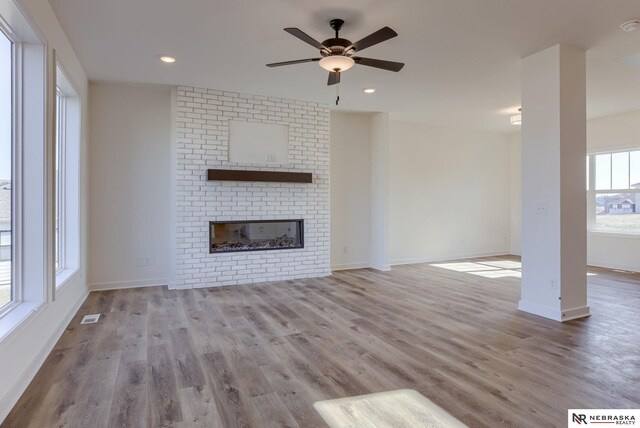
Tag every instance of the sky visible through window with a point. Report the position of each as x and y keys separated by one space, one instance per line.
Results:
x=617 y=170
x=5 y=107
x=5 y=168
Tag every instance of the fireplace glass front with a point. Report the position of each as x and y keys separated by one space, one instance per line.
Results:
x=255 y=235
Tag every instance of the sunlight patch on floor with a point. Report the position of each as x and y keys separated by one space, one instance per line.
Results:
x=502 y=273
x=389 y=409
x=489 y=269
x=504 y=264
x=464 y=266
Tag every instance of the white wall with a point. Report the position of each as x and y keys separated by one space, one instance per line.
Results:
x=515 y=145
x=449 y=193
x=129 y=197
x=24 y=349
x=350 y=190
x=607 y=250
x=380 y=210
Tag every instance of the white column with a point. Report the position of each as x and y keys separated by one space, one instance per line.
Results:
x=554 y=234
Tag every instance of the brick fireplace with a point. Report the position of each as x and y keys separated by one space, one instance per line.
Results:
x=202 y=142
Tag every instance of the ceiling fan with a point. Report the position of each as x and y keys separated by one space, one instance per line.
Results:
x=338 y=55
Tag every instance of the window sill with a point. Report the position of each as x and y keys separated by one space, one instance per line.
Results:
x=17 y=316
x=609 y=234
x=64 y=277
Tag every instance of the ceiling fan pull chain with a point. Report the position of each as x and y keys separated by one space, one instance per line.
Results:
x=337 y=93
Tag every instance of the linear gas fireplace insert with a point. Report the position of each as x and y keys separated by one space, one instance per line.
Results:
x=255 y=235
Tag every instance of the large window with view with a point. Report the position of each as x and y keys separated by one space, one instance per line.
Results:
x=6 y=151
x=614 y=192
x=24 y=271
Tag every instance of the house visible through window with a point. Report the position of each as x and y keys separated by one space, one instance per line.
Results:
x=6 y=170
x=614 y=192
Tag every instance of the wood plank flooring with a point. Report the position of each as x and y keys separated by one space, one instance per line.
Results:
x=261 y=355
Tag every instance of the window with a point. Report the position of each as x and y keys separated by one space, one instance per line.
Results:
x=67 y=171
x=6 y=176
x=614 y=192
x=59 y=224
x=25 y=280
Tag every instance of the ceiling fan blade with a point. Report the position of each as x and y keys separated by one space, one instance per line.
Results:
x=296 y=32
x=379 y=63
x=334 y=78
x=379 y=36
x=296 y=61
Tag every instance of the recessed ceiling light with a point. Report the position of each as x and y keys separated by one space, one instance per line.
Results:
x=167 y=59
x=369 y=90
x=630 y=25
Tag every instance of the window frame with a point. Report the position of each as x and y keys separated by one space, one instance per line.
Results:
x=592 y=192
x=31 y=280
x=16 y=120
x=60 y=188
x=68 y=124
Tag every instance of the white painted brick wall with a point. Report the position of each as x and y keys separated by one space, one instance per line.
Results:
x=202 y=143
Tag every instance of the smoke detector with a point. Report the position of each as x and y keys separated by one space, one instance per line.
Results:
x=630 y=25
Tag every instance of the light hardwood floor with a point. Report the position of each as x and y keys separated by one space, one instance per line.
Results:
x=261 y=355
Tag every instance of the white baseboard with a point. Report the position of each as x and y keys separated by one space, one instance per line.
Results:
x=556 y=314
x=17 y=389
x=575 y=313
x=381 y=267
x=118 y=285
x=542 y=311
x=349 y=266
x=416 y=260
x=609 y=265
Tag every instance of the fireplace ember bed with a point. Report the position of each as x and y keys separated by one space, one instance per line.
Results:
x=255 y=235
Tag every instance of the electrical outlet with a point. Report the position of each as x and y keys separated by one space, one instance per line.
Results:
x=553 y=284
x=145 y=261
x=345 y=250
x=542 y=208
x=271 y=157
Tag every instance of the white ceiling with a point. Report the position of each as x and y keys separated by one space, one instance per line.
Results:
x=462 y=56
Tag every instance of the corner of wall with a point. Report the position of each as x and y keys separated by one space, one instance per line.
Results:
x=380 y=191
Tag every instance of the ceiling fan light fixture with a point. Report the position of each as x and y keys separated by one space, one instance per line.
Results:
x=339 y=62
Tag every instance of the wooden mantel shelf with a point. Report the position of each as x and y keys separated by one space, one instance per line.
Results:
x=268 y=176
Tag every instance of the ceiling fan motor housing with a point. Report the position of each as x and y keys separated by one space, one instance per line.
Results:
x=336 y=45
